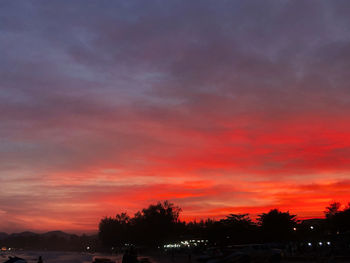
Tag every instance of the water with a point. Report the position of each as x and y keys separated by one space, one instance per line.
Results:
x=58 y=257
x=79 y=257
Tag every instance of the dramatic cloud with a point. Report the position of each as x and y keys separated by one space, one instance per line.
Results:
x=219 y=106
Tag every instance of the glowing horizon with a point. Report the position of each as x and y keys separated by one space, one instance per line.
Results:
x=217 y=107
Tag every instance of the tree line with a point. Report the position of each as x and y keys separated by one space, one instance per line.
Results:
x=159 y=223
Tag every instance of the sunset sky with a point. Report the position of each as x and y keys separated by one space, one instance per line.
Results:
x=218 y=106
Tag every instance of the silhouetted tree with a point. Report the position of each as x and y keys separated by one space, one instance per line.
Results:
x=115 y=231
x=277 y=225
x=342 y=220
x=330 y=213
x=238 y=220
x=338 y=220
x=239 y=228
x=332 y=209
x=156 y=224
x=151 y=227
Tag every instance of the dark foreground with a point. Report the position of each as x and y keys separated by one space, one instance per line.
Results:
x=72 y=257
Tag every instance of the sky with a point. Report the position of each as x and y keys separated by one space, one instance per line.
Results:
x=218 y=106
